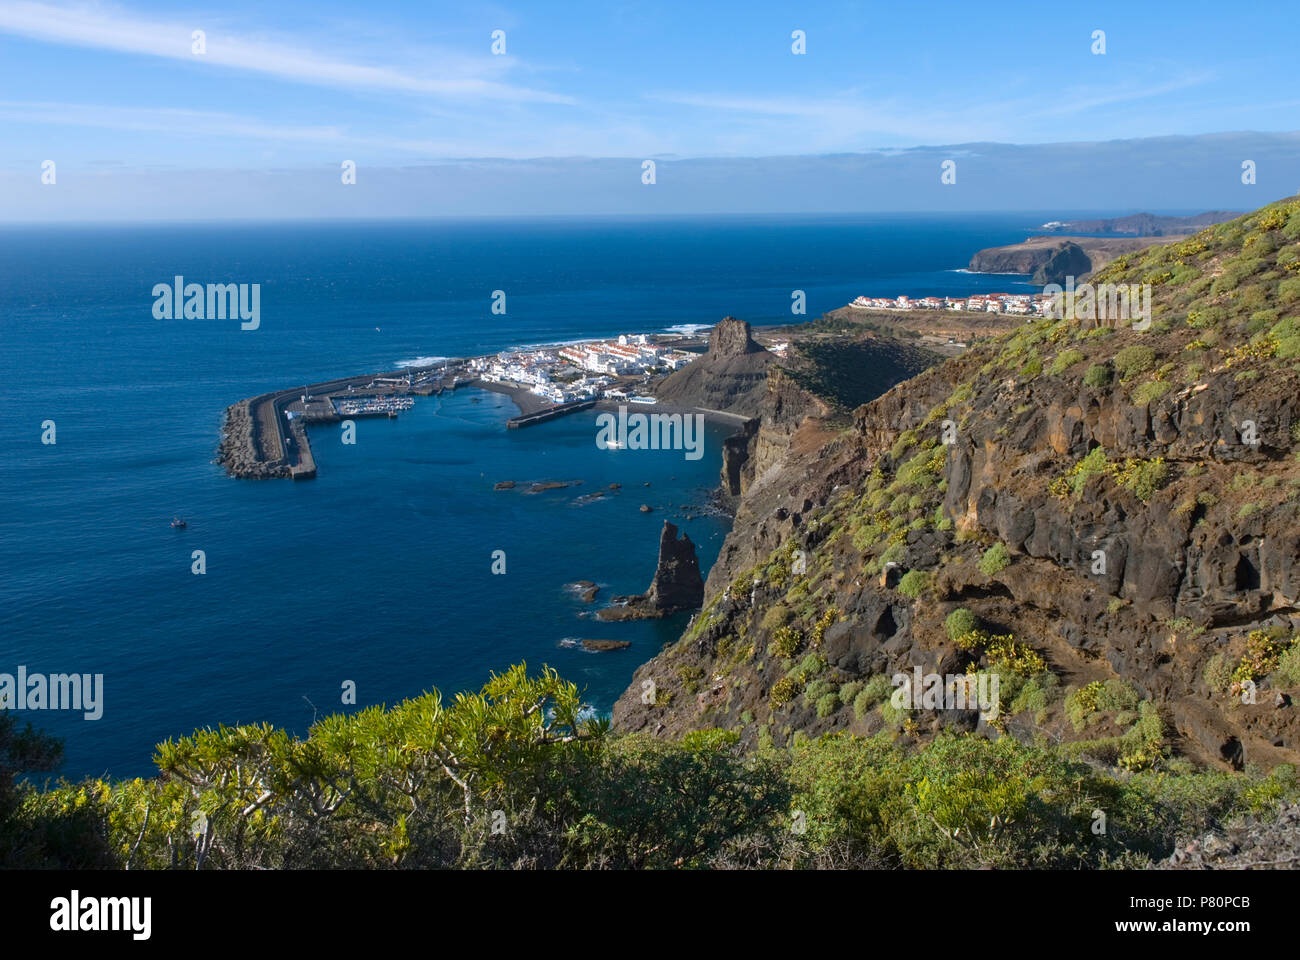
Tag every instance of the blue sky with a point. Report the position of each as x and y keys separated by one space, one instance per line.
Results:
x=283 y=86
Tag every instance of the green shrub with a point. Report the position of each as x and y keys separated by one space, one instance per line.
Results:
x=1132 y=361
x=849 y=691
x=785 y=643
x=1288 y=668
x=827 y=704
x=960 y=622
x=892 y=715
x=816 y=689
x=1288 y=348
x=1143 y=477
x=1064 y=360
x=905 y=440
x=810 y=666
x=1035 y=695
x=1098 y=375
x=994 y=559
x=1151 y=390
x=1072 y=484
x=878 y=688
x=778 y=615
x=1086 y=705
x=913 y=583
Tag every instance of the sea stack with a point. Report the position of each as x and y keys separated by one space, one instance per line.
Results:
x=677 y=584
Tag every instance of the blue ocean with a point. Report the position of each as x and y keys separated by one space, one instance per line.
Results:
x=379 y=571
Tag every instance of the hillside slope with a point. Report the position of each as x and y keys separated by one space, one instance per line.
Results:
x=1112 y=530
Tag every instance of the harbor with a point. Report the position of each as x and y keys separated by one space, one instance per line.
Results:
x=371 y=406
x=266 y=436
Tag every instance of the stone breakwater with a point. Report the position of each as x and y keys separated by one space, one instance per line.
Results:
x=260 y=441
x=239 y=450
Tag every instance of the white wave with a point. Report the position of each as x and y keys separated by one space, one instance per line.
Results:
x=688 y=329
x=421 y=361
x=555 y=343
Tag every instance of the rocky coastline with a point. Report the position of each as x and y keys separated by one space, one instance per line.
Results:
x=1095 y=513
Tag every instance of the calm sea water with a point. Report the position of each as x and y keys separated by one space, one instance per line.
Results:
x=378 y=572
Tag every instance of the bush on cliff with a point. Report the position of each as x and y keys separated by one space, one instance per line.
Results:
x=516 y=776
x=994 y=560
x=913 y=583
x=1064 y=360
x=1098 y=375
x=1132 y=361
x=960 y=622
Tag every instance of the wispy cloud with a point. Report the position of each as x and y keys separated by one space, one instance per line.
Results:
x=858 y=120
x=217 y=126
x=95 y=26
x=1081 y=99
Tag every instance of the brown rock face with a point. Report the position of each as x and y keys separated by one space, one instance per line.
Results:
x=677 y=584
x=731 y=377
x=731 y=338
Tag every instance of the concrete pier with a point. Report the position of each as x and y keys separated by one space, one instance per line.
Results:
x=550 y=413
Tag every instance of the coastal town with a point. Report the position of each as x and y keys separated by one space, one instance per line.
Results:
x=1026 y=304
x=591 y=370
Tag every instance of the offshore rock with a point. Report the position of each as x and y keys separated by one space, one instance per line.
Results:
x=677 y=584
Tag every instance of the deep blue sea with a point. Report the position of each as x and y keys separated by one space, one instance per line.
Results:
x=379 y=571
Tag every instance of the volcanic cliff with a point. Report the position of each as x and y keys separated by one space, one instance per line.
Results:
x=731 y=376
x=1102 y=515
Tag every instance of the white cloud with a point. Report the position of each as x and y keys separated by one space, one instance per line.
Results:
x=99 y=27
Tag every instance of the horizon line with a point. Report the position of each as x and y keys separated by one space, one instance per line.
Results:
x=1109 y=212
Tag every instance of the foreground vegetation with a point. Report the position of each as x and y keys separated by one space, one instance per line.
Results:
x=520 y=775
